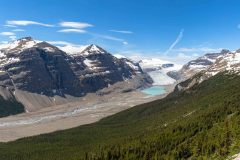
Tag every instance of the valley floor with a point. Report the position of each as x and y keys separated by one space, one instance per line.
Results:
x=88 y=109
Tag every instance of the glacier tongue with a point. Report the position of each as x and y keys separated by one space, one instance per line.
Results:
x=158 y=69
x=160 y=78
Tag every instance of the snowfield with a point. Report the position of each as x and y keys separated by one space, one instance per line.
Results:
x=160 y=78
x=157 y=72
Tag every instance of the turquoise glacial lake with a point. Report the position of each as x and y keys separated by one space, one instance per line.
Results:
x=154 y=91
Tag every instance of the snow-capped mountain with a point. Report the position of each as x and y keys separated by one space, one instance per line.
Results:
x=226 y=61
x=134 y=65
x=70 y=49
x=200 y=64
x=39 y=68
x=18 y=45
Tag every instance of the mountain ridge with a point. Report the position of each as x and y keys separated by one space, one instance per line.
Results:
x=29 y=66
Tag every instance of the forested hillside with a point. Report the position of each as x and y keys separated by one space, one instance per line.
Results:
x=199 y=123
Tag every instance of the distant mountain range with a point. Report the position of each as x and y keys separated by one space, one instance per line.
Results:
x=40 y=74
x=225 y=61
x=200 y=64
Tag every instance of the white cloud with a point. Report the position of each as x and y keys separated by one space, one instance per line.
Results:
x=7 y=33
x=107 y=37
x=13 y=37
x=183 y=55
x=111 y=38
x=134 y=54
x=121 y=31
x=26 y=23
x=18 y=30
x=72 y=31
x=72 y=49
x=11 y=26
x=61 y=43
x=3 y=42
x=178 y=39
x=197 y=50
x=195 y=55
x=178 y=56
x=68 y=47
x=79 y=25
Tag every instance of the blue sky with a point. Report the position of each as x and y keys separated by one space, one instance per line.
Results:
x=170 y=29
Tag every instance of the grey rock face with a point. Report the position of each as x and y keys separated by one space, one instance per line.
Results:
x=44 y=69
x=199 y=64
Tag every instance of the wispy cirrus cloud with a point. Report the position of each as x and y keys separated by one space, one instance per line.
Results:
x=7 y=33
x=12 y=37
x=108 y=37
x=197 y=50
x=9 y=26
x=179 y=58
x=178 y=55
x=26 y=23
x=71 y=30
x=68 y=46
x=178 y=39
x=74 y=27
x=61 y=43
x=18 y=30
x=121 y=31
x=78 y=25
x=185 y=54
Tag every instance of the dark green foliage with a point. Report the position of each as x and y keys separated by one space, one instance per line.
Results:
x=10 y=107
x=201 y=123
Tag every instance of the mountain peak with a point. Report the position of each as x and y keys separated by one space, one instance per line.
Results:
x=93 y=49
x=18 y=45
x=26 y=39
x=224 y=51
x=238 y=51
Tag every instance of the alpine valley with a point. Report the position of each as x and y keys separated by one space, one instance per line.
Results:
x=97 y=101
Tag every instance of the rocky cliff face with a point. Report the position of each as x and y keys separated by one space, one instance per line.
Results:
x=38 y=68
x=102 y=69
x=225 y=62
x=199 y=64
